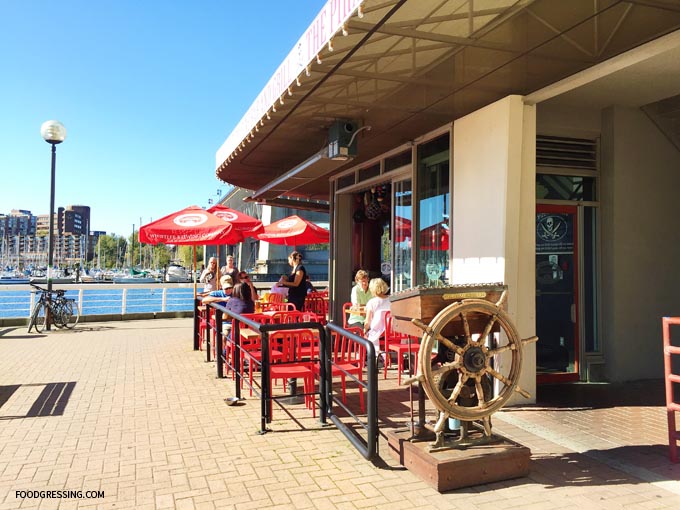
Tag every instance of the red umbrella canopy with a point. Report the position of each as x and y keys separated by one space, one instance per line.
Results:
x=294 y=231
x=242 y=223
x=434 y=237
x=402 y=229
x=190 y=226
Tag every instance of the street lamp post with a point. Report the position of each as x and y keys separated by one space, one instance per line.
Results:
x=53 y=132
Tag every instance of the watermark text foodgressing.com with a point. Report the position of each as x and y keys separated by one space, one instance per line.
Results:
x=59 y=494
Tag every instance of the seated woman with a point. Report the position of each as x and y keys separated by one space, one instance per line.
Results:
x=241 y=300
x=245 y=278
x=359 y=297
x=377 y=306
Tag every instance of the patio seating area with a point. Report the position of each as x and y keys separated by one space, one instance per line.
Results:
x=141 y=416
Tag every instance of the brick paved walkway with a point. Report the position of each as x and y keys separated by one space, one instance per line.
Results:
x=130 y=409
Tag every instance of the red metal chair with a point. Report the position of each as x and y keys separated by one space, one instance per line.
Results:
x=348 y=358
x=206 y=321
x=279 y=307
x=345 y=315
x=400 y=344
x=317 y=303
x=290 y=366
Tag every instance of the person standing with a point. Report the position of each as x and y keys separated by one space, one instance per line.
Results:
x=230 y=269
x=295 y=281
x=209 y=276
x=376 y=308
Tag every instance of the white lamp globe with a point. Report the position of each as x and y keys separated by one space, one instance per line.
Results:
x=53 y=131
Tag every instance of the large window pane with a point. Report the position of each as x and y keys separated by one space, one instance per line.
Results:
x=433 y=200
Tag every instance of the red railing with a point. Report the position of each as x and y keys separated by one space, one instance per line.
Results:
x=672 y=404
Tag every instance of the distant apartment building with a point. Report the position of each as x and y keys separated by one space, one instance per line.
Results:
x=24 y=237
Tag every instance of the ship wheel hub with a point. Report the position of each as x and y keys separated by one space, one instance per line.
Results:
x=474 y=359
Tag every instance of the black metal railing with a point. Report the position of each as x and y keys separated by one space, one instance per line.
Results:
x=367 y=446
x=264 y=330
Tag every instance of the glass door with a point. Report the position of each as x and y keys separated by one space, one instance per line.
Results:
x=402 y=215
x=557 y=350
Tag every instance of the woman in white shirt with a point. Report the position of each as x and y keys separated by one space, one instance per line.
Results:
x=377 y=306
x=209 y=276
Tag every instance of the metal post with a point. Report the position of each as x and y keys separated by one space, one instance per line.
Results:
x=197 y=319
x=50 y=241
x=219 y=343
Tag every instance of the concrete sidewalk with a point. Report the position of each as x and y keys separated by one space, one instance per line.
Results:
x=129 y=408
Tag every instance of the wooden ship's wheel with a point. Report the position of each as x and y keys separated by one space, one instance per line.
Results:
x=470 y=360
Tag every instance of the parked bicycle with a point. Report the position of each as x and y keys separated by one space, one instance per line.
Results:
x=63 y=312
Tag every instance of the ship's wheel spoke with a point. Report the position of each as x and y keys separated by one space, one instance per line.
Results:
x=480 y=393
x=459 y=387
x=499 y=350
x=487 y=329
x=448 y=343
x=499 y=376
x=446 y=368
x=466 y=328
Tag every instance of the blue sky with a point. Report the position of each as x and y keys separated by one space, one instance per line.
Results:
x=147 y=91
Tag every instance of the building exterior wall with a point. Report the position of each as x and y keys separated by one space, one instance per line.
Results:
x=494 y=210
x=641 y=246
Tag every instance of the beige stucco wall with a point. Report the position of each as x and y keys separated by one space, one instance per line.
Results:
x=641 y=242
x=494 y=207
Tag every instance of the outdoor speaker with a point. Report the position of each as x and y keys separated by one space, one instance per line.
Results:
x=342 y=143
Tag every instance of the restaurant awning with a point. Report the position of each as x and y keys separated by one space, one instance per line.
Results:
x=406 y=67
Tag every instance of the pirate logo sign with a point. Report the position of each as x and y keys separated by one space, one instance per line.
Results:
x=190 y=220
x=551 y=228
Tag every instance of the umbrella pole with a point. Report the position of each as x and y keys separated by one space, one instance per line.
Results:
x=195 y=285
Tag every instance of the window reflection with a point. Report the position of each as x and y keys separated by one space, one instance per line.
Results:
x=433 y=213
x=403 y=246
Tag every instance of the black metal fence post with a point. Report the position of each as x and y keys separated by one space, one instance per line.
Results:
x=323 y=372
x=236 y=356
x=208 y=333
x=197 y=302
x=219 y=343
x=264 y=390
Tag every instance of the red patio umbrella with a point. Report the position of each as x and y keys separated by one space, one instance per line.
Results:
x=434 y=237
x=245 y=225
x=190 y=226
x=402 y=229
x=294 y=231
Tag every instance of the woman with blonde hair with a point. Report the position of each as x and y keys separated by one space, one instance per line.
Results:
x=209 y=276
x=376 y=308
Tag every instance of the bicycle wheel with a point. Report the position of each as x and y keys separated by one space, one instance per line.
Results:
x=70 y=314
x=34 y=314
x=40 y=317
x=59 y=314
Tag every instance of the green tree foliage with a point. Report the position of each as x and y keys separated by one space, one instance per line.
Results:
x=185 y=254
x=111 y=249
x=115 y=252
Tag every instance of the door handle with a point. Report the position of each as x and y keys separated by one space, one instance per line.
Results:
x=573 y=313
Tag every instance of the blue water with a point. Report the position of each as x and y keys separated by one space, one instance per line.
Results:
x=16 y=303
